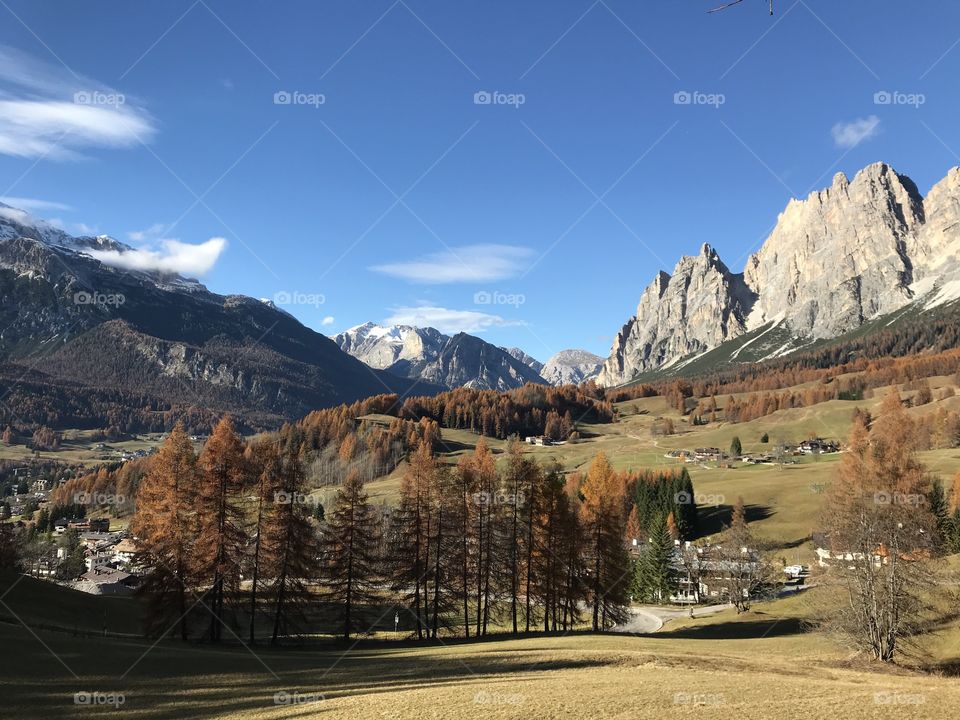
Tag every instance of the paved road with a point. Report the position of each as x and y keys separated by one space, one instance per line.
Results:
x=646 y=619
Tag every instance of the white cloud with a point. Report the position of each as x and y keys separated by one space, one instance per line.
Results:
x=469 y=263
x=172 y=256
x=328 y=320
x=445 y=320
x=48 y=111
x=33 y=204
x=154 y=232
x=851 y=134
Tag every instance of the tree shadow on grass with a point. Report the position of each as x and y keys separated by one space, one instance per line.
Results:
x=170 y=681
x=713 y=519
x=740 y=630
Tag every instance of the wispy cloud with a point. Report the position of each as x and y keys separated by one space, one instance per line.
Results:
x=328 y=320
x=851 y=134
x=47 y=111
x=154 y=232
x=170 y=256
x=446 y=320
x=33 y=204
x=469 y=263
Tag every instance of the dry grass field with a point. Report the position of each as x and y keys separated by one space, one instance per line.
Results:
x=753 y=666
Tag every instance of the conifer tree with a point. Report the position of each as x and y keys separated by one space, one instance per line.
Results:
x=736 y=449
x=222 y=535
x=349 y=554
x=264 y=459
x=603 y=518
x=467 y=550
x=410 y=529
x=939 y=508
x=290 y=546
x=655 y=579
x=164 y=528
x=487 y=531
x=515 y=485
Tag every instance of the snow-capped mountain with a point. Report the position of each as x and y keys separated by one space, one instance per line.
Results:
x=81 y=339
x=427 y=354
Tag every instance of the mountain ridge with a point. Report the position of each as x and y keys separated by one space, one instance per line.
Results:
x=844 y=255
x=69 y=317
x=451 y=361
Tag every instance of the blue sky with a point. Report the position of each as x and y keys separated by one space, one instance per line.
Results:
x=337 y=155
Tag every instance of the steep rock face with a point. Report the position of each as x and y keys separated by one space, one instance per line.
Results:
x=699 y=306
x=427 y=354
x=571 y=367
x=938 y=245
x=468 y=361
x=529 y=361
x=845 y=255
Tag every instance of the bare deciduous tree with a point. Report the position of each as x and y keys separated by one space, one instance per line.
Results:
x=882 y=538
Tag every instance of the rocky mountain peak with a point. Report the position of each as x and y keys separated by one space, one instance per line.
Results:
x=425 y=353
x=571 y=367
x=848 y=253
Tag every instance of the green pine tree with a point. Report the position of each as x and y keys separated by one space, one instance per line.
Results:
x=736 y=449
x=953 y=539
x=937 y=502
x=655 y=578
